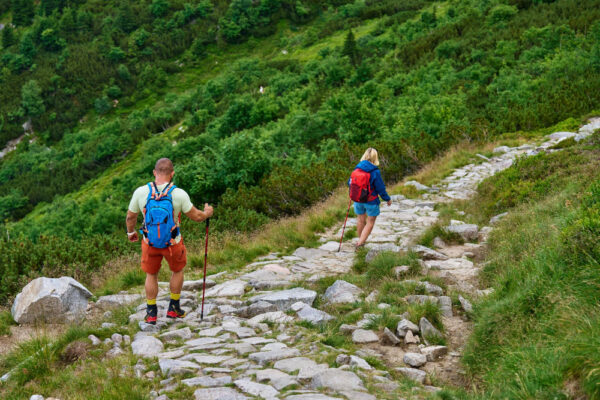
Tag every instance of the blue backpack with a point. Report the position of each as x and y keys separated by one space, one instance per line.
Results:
x=160 y=229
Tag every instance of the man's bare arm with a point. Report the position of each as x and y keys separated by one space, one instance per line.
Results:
x=200 y=215
x=131 y=222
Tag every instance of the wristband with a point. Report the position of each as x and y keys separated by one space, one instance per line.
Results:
x=130 y=233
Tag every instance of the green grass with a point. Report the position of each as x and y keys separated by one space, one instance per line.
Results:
x=542 y=322
x=6 y=321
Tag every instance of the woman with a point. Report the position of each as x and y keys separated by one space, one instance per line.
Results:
x=366 y=184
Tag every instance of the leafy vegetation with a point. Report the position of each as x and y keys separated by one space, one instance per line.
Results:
x=541 y=323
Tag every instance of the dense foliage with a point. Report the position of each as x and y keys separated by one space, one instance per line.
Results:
x=542 y=322
x=99 y=83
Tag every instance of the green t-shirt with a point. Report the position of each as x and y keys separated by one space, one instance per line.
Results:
x=181 y=201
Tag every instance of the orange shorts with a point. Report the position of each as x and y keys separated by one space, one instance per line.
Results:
x=176 y=256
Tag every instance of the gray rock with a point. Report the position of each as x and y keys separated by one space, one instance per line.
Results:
x=428 y=254
x=117 y=300
x=278 y=379
x=242 y=332
x=364 y=336
x=55 y=300
x=401 y=271
x=410 y=338
x=278 y=317
x=256 y=389
x=172 y=354
x=345 y=328
x=337 y=380
x=342 y=292
x=254 y=309
x=144 y=327
x=428 y=330
x=427 y=286
x=434 y=352
x=242 y=348
x=466 y=304
x=36 y=397
x=389 y=337
x=560 y=135
x=445 y=303
x=421 y=299
x=413 y=374
x=117 y=338
x=311 y=396
x=95 y=341
x=264 y=357
x=114 y=352
x=439 y=242
x=501 y=149
x=146 y=346
x=356 y=395
x=467 y=231
x=222 y=393
x=312 y=315
x=405 y=325
x=309 y=254
x=184 y=333
x=306 y=367
x=170 y=367
x=414 y=359
x=207 y=381
x=234 y=288
x=372 y=297
x=197 y=285
x=210 y=332
x=494 y=220
x=108 y=325
x=284 y=299
x=416 y=185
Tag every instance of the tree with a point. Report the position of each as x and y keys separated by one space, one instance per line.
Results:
x=27 y=46
x=125 y=18
x=159 y=8
x=350 y=48
x=23 y=12
x=8 y=37
x=31 y=99
x=50 y=5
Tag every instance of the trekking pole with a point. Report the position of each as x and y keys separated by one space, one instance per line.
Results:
x=205 y=258
x=344 y=228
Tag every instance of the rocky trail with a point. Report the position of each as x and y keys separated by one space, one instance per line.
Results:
x=252 y=345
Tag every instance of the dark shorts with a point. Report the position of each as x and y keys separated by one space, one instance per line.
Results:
x=175 y=255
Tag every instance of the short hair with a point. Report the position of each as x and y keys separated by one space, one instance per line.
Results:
x=371 y=156
x=164 y=166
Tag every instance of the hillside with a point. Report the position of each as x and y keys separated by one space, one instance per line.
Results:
x=107 y=94
x=512 y=309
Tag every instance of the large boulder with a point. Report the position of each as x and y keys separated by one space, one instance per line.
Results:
x=342 y=292
x=57 y=300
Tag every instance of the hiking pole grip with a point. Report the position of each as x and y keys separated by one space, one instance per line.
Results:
x=205 y=262
x=344 y=228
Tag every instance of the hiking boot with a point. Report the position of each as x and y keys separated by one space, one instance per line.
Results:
x=175 y=311
x=151 y=316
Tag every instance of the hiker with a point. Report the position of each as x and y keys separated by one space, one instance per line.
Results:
x=162 y=203
x=366 y=186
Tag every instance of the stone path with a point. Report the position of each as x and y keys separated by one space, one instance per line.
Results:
x=249 y=345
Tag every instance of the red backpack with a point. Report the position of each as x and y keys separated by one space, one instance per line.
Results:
x=360 y=186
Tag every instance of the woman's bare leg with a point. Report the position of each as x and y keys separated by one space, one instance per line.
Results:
x=366 y=231
x=361 y=221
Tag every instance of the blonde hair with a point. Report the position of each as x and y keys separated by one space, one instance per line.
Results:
x=371 y=156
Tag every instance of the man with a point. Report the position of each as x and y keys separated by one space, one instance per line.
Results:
x=176 y=201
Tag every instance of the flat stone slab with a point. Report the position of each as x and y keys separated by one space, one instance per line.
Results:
x=311 y=396
x=170 y=367
x=364 y=336
x=206 y=359
x=330 y=246
x=306 y=367
x=146 y=346
x=279 y=380
x=256 y=389
x=284 y=299
x=264 y=357
x=312 y=315
x=414 y=374
x=414 y=359
x=277 y=317
x=197 y=285
x=234 y=288
x=223 y=393
x=207 y=381
x=117 y=300
x=336 y=379
x=183 y=333
x=428 y=254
